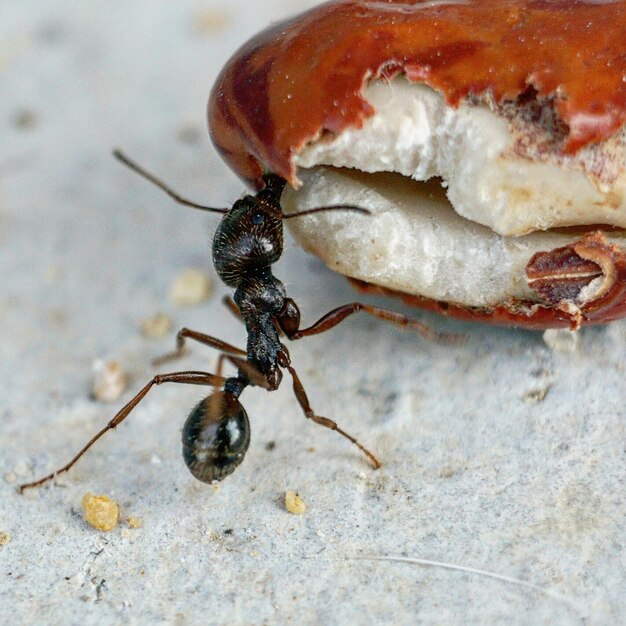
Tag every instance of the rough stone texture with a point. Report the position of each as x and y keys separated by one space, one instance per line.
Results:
x=500 y=454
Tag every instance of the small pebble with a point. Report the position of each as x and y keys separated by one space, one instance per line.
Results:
x=52 y=273
x=134 y=522
x=5 y=538
x=210 y=21
x=100 y=512
x=190 y=287
x=535 y=395
x=10 y=478
x=189 y=134
x=446 y=472
x=294 y=503
x=109 y=381
x=24 y=119
x=157 y=326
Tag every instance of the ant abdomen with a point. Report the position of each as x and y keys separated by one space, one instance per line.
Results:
x=215 y=437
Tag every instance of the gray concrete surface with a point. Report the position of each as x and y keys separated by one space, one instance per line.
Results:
x=500 y=455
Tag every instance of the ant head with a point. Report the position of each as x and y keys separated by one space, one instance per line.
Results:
x=250 y=236
x=216 y=437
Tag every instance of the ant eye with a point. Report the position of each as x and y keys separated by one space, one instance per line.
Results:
x=258 y=218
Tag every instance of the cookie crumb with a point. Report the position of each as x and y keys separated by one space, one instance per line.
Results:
x=294 y=503
x=5 y=538
x=100 y=512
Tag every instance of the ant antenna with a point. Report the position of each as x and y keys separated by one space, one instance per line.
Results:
x=120 y=156
x=342 y=207
x=135 y=167
x=275 y=185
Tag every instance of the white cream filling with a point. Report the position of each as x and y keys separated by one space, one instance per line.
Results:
x=414 y=132
x=413 y=242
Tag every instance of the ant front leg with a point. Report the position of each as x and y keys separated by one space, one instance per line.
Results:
x=290 y=322
x=207 y=340
x=188 y=378
x=303 y=400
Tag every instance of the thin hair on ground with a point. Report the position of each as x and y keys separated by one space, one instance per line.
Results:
x=467 y=570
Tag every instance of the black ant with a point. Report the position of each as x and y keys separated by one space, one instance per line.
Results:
x=247 y=242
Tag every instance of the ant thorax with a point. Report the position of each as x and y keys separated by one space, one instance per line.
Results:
x=260 y=298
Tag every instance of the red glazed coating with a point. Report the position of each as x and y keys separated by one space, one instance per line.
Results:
x=528 y=315
x=303 y=77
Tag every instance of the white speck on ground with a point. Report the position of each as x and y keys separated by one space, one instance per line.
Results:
x=109 y=380
x=562 y=340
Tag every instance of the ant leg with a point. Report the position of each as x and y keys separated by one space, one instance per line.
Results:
x=303 y=400
x=334 y=317
x=229 y=303
x=251 y=372
x=189 y=378
x=256 y=377
x=220 y=364
x=207 y=340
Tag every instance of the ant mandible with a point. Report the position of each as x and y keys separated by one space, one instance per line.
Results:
x=247 y=242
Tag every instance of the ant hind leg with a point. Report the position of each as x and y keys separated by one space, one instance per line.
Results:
x=189 y=378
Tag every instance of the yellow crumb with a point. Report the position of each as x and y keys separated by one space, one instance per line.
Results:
x=5 y=538
x=100 y=512
x=294 y=503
